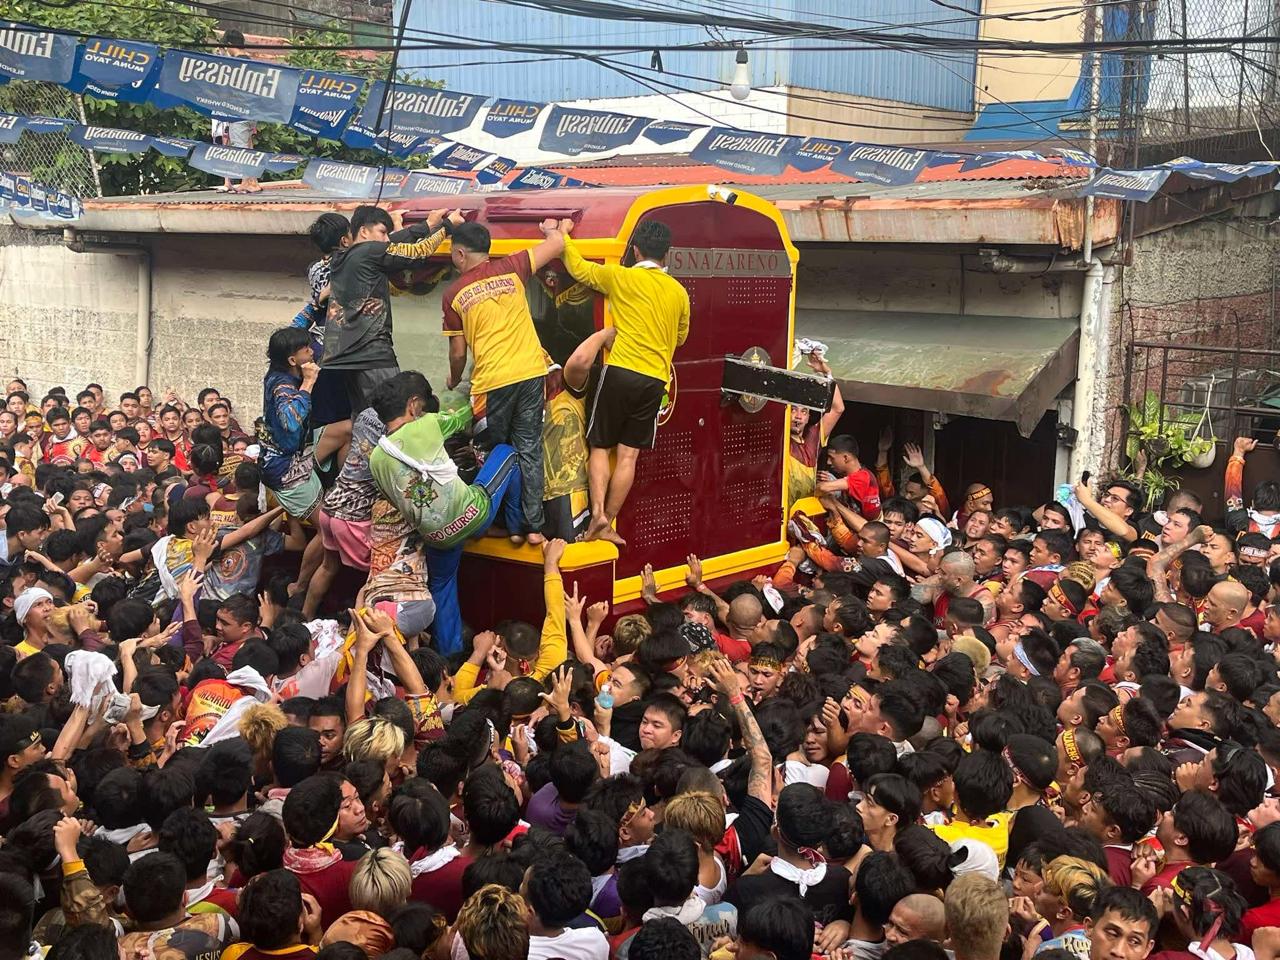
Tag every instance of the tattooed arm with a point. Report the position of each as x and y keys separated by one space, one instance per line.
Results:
x=760 y=780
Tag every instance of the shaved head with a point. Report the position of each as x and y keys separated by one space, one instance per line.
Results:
x=920 y=916
x=745 y=612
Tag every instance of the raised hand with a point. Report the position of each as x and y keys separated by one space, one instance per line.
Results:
x=913 y=456
x=558 y=698
x=694 y=577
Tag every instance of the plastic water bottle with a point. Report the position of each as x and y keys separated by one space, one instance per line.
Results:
x=604 y=699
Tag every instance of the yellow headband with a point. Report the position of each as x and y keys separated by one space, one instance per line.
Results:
x=1069 y=744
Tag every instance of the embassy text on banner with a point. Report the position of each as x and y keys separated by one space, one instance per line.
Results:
x=760 y=154
x=572 y=131
x=225 y=87
x=416 y=110
x=33 y=53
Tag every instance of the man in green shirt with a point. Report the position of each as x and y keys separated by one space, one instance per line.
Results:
x=415 y=473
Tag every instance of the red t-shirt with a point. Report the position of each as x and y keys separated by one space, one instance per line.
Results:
x=864 y=490
x=1267 y=915
x=735 y=650
x=329 y=887
x=442 y=888
x=1119 y=865
x=1164 y=878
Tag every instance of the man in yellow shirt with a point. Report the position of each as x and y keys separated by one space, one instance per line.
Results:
x=486 y=309
x=650 y=312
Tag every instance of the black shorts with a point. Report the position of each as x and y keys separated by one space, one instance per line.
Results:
x=624 y=409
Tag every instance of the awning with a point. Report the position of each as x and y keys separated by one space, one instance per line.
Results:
x=999 y=368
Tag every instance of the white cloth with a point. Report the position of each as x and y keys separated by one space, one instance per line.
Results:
x=587 y=943
x=632 y=853
x=688 y=912
x=443 y=471
x=714 y=894
x=804 y=879
x=256 y=691
x=797 y=771
x=1267 y=522
x=27 y=599
x=1242 y=952
x=90 y=676
x=981 y=859
x=160 y=557
x=435 y=860
x=937 y=532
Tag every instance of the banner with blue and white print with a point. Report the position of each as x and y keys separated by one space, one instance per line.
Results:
x=759 y=154
x=227 y=87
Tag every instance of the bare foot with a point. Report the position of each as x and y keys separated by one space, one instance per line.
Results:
x=612 y=536
x=596 y=527
x=517 y=538
x=536 y=539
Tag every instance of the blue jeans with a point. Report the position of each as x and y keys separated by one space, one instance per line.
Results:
x=500 y=477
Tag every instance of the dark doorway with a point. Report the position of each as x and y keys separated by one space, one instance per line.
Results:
x=966 y=450
x=1019 y=470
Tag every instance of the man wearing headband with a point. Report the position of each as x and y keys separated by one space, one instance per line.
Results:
x=977 y=496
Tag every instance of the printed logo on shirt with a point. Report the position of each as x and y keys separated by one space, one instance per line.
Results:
x=490 y=288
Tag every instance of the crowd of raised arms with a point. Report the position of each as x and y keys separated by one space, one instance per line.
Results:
x=243 y=717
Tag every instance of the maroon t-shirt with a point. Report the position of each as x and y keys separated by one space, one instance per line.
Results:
x=442 y=888
x=329 y=887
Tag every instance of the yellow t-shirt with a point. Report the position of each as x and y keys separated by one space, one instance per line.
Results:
x=648 y=308
x=25 y=649
x=487 y=306
x=994 y=833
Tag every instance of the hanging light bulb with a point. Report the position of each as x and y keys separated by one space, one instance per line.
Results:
x=740 y=89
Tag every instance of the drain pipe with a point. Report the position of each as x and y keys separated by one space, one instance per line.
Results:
x=142 y=324
x=1095 y=306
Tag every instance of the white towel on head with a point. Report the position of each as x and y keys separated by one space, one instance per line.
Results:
x=90 y=675
x=27 y=599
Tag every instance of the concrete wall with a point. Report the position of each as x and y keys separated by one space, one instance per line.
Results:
x=69 y=318
x=1201 y=284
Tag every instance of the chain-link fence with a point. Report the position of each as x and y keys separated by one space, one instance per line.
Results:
x=1213 y=103
x=51 y=158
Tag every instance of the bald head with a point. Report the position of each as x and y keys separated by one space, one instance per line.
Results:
x=745 y=613
x=920 y=916
x=1225 y=603
x=959 y=564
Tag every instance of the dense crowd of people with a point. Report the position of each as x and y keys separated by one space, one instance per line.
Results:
x=244 y=719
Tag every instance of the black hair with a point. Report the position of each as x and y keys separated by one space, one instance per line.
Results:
x=1241 y=776
x=498 y=867
x=672 y=866
x=903 y=711
x=1208 y=825
x=154 y=886
x=984 y=784
x=926 y=855
x=1132 y=810
x=284 y=343
x=295 y=755
x=801 y=815
x=345 y=950
x=116 y=798
x=1135 y=587
x=664 y=938
x=1214 y=902
x=1162 y=691
x=1036 y=759
x=653 y=239
x=88 y=941
x=421 y=820
x=416 y=926
x=270 y=905
x=165 y=790
x=573 y=770
x=311 y=808
x=190 y=836
x=367 y=214
x=390 y=398
x=290 y=642
x=896 y=794
x=881 y=882
x=491 y=809
x=472 y=237
x=32 y=675
x=869 y=754
x=782 y=925
x=258 y=844
x=328 y=231
x=593 y=838
x=707 y=736
x=1127 y=902
x=847 y=835
x=559 y=887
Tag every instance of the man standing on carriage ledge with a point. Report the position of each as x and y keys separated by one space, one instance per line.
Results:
x=357 y=333
x=650 y=312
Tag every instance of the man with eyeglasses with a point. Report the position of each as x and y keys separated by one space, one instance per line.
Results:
x=1115 y=509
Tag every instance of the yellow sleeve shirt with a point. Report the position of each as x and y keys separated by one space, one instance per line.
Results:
x=648 y=307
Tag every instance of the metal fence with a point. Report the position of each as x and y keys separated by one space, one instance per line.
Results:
x=1219 y=103
x=51 y=158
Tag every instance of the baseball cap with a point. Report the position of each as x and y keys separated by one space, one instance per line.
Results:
x=17 y=732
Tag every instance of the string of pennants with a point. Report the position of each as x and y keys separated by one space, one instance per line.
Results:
x=25 y=199
x=404 y=119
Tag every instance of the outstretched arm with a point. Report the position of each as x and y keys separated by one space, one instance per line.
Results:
x=1114 y=523
x=1158 y=565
